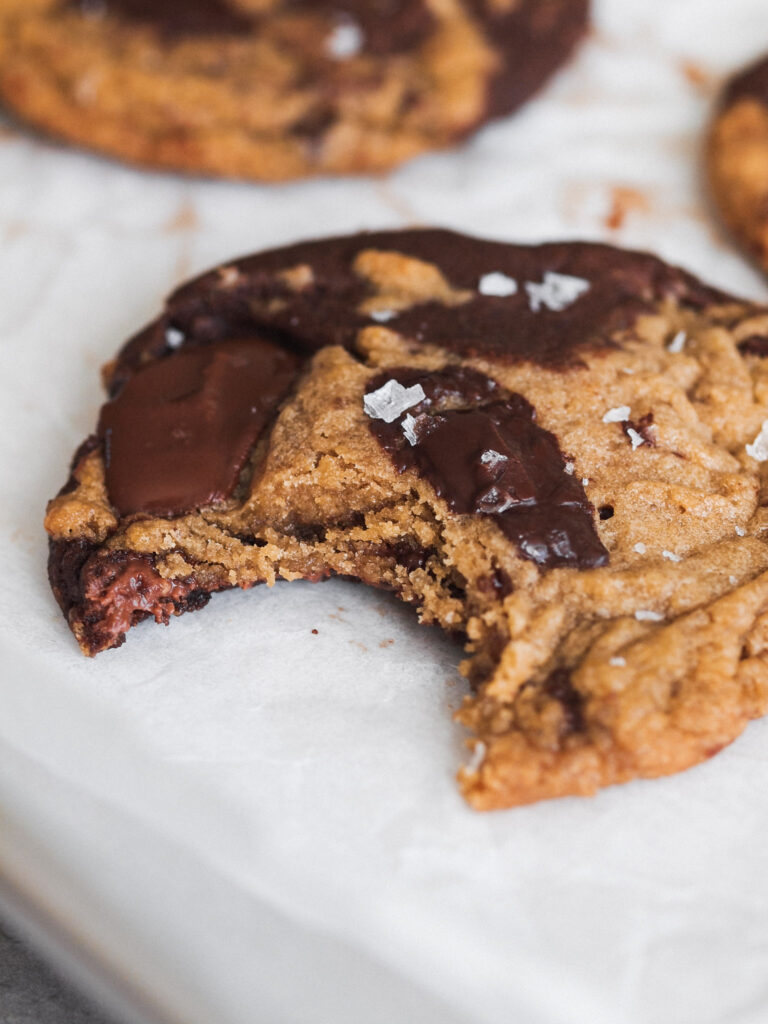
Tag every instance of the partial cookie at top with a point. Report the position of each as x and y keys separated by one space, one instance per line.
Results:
x=737 y=157
x=277 y=89
x=557 y=453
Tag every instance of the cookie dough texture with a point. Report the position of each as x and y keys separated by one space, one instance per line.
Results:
x=626 y=638
x=738 y=159
x=277 y=89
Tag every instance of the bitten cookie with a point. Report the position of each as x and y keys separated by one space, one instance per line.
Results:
x=738 y=159
x=555 y=452
x=277 y=89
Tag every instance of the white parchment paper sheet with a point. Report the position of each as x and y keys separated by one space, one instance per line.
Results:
x=254 y=823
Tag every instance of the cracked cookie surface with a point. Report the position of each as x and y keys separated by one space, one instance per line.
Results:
x=277 y=89
x=555 y=452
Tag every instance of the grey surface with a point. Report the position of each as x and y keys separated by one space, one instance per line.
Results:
x=30 y=993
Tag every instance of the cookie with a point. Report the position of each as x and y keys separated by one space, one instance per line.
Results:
x=557 y=453
x=738 y=159
x=277 y=89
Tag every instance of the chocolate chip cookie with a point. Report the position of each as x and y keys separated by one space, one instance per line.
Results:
x=558 y=453
x=738 y=158
x=277 y=89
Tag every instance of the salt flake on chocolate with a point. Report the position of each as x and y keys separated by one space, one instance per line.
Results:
x=383 y=316
x=492 y=458
x=392 y=400
x=758 y=450
x=345 y=41
x=174 y=338
x=618 y=415
x=556 y=292
x=498 y=285
x=409 y=429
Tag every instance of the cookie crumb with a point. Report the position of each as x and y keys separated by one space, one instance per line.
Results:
x=642 y=615
x=556 y=292
x=618 y=415
x=758 y=450
x=498 y=285
x=392 y=400
x=315 y=632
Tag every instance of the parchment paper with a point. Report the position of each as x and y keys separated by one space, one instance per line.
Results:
x=249 y=822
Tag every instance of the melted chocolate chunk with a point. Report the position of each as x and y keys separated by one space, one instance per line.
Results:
x=388 y=26
x=254 y=298
x=173 y=18
x=560 y=687
x=750 y=83
x=482 y=450
x=535 y=39
x=121 y=588
x=181 y=430
x=754 y=345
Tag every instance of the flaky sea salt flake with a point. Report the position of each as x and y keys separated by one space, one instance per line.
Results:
x=618 y=415
x=491 y=458
x=556 y=292
x=740 y=531
x=640 y=548
x=383 y=316
x=671 y=556
x=174 y=338
x=618 y=662
x=409 y=429
x=642 y=615
x=758 y=450
x=478 y=756
x=678 y=343
x=635 y=439
x=392 y=400
x=344 y=41
x=498 y=285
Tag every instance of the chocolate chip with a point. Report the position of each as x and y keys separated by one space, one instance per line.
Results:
x=481 y=449
x=754 y=345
